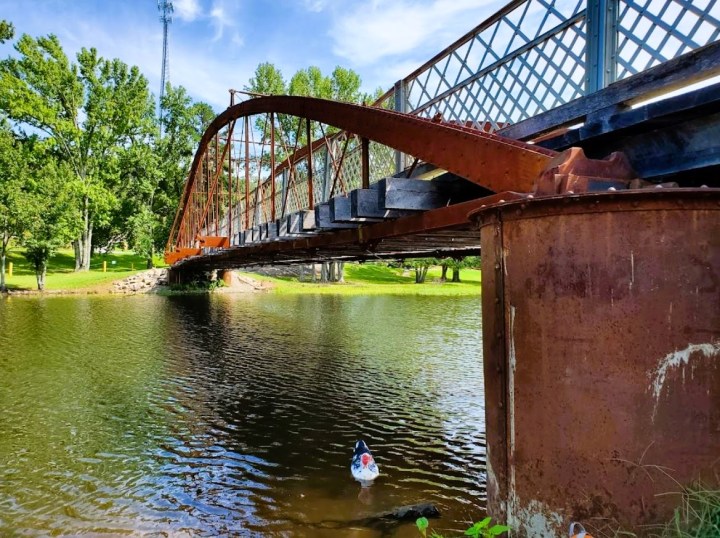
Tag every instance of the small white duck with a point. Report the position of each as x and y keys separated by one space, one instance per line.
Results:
x=363 y=466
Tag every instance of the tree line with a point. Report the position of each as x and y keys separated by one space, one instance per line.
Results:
x=86 y=162
x=421 y=266
x=82 y=162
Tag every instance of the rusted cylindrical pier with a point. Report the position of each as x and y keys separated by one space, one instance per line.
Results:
x=601 y=328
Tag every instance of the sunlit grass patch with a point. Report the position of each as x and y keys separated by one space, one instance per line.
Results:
x=61 y=273
x=379 y=279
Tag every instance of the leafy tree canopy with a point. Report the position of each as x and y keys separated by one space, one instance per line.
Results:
x=7 y=31
x=91 y=109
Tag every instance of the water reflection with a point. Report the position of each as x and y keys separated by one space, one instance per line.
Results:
x=237 y=414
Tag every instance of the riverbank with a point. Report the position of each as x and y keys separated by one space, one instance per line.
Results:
x=61 y=276
x=125 y=274
x=380 y=279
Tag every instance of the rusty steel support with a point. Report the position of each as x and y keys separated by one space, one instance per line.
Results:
x=601 y=340
x=247 y=172
x=230 y=184
x=218 y=190
x=213 y=191
x=272 y=166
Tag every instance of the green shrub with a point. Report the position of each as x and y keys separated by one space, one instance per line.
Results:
x=481 y=529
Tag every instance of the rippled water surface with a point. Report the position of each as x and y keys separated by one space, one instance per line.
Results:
x=237 y=415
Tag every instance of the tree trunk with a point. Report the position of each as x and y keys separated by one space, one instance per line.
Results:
x=315 y=272
x=150 y=263
x=456 y=274
x=40 y=271
x=420 y=273
x=324 y=269
x=3 y=254
x=88 y=247
x=443 y=276
x=78 y=257
x=83 y=245
x=340 y=272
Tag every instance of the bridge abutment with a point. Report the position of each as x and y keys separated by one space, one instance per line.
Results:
x=182 y=277
x=601 y=329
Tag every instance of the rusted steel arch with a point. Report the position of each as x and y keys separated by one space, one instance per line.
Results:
x=489 y=160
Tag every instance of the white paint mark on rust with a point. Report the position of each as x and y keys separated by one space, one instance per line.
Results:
x=632 y=269
x=677 y=359
x=537 y=520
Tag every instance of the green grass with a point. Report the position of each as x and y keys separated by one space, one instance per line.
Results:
x=697 y=517
x=379 y=279
x=61 y=273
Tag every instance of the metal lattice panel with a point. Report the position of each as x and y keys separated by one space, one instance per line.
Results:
x=382 y=162
x=651 y=32
x=541 y=78
x=527 y=61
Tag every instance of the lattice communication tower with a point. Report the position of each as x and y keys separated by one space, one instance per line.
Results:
x=166 y=10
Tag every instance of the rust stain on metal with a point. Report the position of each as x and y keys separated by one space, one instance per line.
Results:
x=610 y=355
x=572 y=172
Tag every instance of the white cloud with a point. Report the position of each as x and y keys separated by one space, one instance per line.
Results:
x=316 y=6
x=187 y=10
x=367 y=34
x=223 y=15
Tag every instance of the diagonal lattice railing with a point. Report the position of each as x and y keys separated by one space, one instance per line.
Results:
x=535 y=55
x=650 y=32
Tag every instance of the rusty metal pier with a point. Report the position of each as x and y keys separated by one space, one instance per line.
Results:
x=601 y=353
x=575 y=145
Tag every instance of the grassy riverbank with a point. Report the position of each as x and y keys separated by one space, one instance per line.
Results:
x=360 y=279
x=62 y=276
x=379 y=279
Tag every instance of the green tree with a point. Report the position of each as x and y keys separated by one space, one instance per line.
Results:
x=456 y=264
x=154 y=173
x=7 y=31
x=420 y=266
x=268 y=80
x=90 y=110
x=346 y=85
x=12 y=193
x=311 y=82
x=342 y=85
x=51 y=213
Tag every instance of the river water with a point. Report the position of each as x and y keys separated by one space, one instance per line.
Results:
x=237 y=414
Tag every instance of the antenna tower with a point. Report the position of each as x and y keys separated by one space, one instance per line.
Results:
x=166 y=10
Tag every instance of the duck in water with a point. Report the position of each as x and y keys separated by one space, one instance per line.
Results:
x=363 y=466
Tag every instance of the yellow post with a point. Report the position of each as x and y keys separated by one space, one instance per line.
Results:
x=104 y=266
x=9 y=269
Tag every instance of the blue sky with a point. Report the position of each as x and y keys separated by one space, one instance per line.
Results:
x=216 y=44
